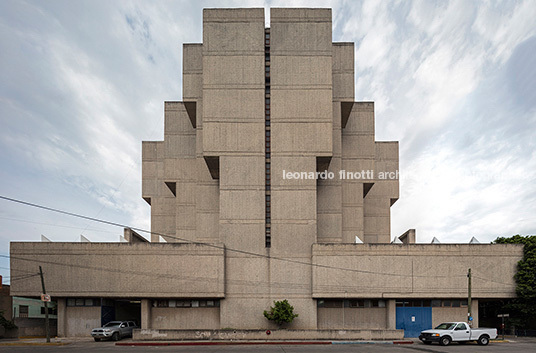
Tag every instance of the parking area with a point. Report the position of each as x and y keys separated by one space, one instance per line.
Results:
x=85 y=345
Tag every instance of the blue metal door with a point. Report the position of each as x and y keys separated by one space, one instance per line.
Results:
x=413 y=320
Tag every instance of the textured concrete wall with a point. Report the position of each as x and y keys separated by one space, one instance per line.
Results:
x=302 y=129
x=232 y=334
x=206 y=182
x=81 y=320
x=6 y=302
x=186 y=318
x=414 y=271
x=32 y=327
x=233 y=131
x=120 y=269
x=441 y=314
x=352 y=318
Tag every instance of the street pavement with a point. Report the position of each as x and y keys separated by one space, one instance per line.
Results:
x=516 y=345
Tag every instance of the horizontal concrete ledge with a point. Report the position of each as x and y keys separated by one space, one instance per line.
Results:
x=263 y=335
x=237 y=343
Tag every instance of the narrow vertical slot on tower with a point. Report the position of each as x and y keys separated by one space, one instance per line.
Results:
x=268 y=229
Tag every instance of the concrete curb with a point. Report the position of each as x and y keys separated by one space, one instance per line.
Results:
x=32 y=344
x=237 y=343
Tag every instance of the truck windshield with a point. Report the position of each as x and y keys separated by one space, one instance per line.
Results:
x=113 y=324
x=446 y=326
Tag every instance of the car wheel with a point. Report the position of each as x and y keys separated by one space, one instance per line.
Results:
x=427 y=342
x=483 y=340
x=115 y=336
x=96 y=339
x=444 y=341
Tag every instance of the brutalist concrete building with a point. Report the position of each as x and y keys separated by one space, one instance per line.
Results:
x=269 y=185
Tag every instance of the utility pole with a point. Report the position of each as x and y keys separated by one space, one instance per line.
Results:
x=469 y=314
x=47 y=327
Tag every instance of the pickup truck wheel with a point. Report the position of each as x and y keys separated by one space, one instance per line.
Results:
x=96 y=339
x=115 y=336
x=483 y=340
x=445 y=340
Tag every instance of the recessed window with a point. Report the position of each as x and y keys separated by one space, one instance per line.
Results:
x=330 y=303
x=23 y=310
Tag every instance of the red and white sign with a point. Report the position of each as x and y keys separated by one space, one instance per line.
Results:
x=45 y=298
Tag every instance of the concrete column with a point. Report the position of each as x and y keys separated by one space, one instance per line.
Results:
x=390 y=306
x=474 y=308
x=62 y=316
x=145 y=313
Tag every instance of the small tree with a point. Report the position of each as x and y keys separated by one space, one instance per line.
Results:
x=522 y=309
x=8 y=324
x=282 y=312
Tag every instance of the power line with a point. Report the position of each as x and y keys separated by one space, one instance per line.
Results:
x=12 y=279
x=55 y=225
x=13 y=269
x=297 y=286
x=218 y=246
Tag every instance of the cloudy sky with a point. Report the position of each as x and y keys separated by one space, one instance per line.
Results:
x=82 y=83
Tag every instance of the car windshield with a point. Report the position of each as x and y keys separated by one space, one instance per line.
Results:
x=113 y=324
x=446 y=326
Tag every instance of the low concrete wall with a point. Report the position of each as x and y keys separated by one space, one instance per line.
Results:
x=32 y=327
x=10 y=333
x=247 y=335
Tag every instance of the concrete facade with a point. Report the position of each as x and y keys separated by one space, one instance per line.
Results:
x=261 y=105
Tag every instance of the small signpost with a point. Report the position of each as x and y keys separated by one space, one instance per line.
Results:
x=502 y=316
x=45 y=298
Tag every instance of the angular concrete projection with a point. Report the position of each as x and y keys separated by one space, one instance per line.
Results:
x=474 y=241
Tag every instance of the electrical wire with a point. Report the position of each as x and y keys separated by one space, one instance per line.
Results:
x=244 y=252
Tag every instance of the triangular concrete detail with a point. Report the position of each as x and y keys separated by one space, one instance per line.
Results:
x=474 y=241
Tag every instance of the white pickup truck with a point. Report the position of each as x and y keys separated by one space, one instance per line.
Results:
x=457 y=332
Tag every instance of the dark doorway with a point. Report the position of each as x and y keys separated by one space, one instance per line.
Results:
x=120 y=310
x=128 y=310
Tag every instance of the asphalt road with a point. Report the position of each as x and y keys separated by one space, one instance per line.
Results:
x=520 y=345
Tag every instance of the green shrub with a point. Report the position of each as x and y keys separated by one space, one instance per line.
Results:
x=282 y=312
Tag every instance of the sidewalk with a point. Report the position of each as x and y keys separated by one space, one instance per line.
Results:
x=231 y=343
x=32 y=342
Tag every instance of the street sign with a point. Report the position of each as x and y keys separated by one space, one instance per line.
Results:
x=503 y=315
x=45 y=298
